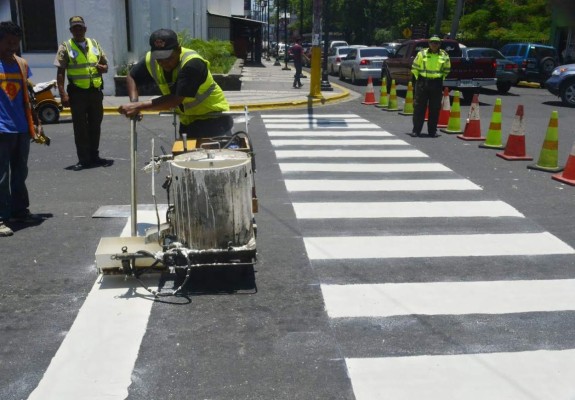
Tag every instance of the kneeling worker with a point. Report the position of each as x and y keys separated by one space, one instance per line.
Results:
x=186 y=83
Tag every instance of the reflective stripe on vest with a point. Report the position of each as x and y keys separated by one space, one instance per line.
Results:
x=81 y=67
x=442 y=69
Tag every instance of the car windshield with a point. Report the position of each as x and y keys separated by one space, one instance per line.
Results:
x=374 y=52
x=344 y=50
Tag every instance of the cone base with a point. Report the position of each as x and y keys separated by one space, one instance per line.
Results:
x=470 y=138
x=451 y=132
x=514 y=158
x=369 y=103
x=405 y=113
x=380 y=106
x=391 y=109
x=560 y=178
x=545 y=169
x=492 y=146
x=442 y=125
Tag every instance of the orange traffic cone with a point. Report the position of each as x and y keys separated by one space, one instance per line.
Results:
x=392 y=98
x=445 y=110
x=426 y=118
x=383 y=96
x=568 y=174
x=408 y=105
x=369 y=94
x=454 y=124
x=472 y=129
x=493 y=140
x=548 y=157
x=515 y=147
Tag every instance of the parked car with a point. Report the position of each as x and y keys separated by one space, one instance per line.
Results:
x=506 y=72
x=363 y=62
x=562 y=84
x=391 y=46
x=535 y=62
x=336 y=54
x=337 y=43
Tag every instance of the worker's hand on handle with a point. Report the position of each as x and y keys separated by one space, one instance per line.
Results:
x=130 y=110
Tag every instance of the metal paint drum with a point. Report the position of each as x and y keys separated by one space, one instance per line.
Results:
x=212 y=199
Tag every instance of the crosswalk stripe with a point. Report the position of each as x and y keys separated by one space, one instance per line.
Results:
x=317 y=185
x=343 y=143
x=448 y=298
x=330 y=133
x=338 y=153
x=323 y=125
x=495 y=376
x=305 y=117
x=353 y=247
x=368 y=168
x=408 y=209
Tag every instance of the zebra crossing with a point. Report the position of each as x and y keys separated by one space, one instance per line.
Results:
x=434 y=288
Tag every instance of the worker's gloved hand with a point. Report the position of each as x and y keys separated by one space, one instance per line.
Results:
x=40 y=137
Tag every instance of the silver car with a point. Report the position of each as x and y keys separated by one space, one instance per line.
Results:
x=336 y=54
x=361 y=63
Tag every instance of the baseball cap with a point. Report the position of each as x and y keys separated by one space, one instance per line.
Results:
x=163 y=42
x=77 y=21
x=434 y=38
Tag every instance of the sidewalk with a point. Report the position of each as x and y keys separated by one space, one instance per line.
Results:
x=264 y=86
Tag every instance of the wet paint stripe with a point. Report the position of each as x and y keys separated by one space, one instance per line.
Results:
x=330 y=133
x=338 y=153
x=364 y=167
x=342 y=143
x=381 y=185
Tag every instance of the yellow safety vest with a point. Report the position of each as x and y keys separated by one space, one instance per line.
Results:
x=209 y=100
x=81 y=68
x=430 y=65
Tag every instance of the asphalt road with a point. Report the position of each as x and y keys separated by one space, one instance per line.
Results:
x=274 y=331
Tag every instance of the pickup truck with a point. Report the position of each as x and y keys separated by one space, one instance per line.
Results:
x=467 y=74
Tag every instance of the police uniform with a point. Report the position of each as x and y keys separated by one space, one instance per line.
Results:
x=429 y=70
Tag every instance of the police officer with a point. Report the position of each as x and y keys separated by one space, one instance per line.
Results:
x=429 y=69
x=84 y=61
x=186 y=83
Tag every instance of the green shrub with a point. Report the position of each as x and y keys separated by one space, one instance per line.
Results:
x=219 y=53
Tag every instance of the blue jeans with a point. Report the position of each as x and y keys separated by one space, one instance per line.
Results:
x=14 y=150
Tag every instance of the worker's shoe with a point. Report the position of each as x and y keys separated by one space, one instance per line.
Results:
x=102 y=162
x=5 y=230
x=415 y=134
x=432 y=134
x=27 y=218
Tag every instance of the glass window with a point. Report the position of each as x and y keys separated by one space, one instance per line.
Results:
x=38 y=21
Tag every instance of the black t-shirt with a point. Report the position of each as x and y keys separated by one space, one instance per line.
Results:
x=187 y=83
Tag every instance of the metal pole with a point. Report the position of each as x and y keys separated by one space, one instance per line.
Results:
x=277 y=63
x=300 y=18
x=133 y=159
x=456 y=17
x=325 y=86
x=285 y=68
x=268 y=31
x=314 y=86
x=439 y=16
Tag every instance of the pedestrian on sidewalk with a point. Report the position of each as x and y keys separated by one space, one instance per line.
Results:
x=429 y=69
x=297 y=54
x=186 y=83
x=84 y=61
x=16 y=124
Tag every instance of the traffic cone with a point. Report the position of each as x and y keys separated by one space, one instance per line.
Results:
x=454 y=124
x=408 y=105
x=548 y=157
x=369 y=94
x=426 y=118
x=383 y=97
x=493 y=140
x=392 y=98
x=445 y=110
x=515 y=147
x=568 y=174
x=472 y=129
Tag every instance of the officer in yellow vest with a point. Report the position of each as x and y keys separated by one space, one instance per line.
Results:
x=430 y=67
x=186 y=84
x=84 y=61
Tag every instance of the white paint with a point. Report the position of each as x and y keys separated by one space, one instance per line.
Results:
x=381 y=185
x=96 y=358
x=323 y=125
x=340 y=142
x=409 y=209
x=315 y=120
x=530 y=375
x=448 y=298
x=338 y=153
x=363 y=167
x=364 y=247
x=330 y=133
x=272 y=117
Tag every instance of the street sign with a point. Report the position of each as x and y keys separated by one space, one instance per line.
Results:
x=406 y=33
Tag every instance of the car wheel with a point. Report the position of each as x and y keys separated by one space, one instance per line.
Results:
x=341 y=77
x=568 y=93
x=547 y=66
x=503 y=87
x=48 y=113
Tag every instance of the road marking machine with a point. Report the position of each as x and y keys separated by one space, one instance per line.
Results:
x=209 y=220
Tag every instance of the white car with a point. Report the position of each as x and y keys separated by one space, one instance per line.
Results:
x=336 y=54
x=363 y=62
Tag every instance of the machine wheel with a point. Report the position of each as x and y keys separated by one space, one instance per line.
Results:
x=48 y=113
x=568 y=93
x=503 y=87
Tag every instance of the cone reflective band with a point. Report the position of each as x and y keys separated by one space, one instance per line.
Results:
x=568 y=174
x=472 y=129
x=515 y=147
x=445 y=110
x=369 y=94
x=383 y=97
x=392 y=98
x=493 y=139
x=548 y=157
x=454 y=125
x=408 y=106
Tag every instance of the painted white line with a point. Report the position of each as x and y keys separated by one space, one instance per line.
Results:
x=315 y=120
x=329 y=133
x=340 y=142
x=541 y=375
x=365 y=167
x=391 y=185
x=410 y=209
x=307 y=116
x=96 y=358
x=364 y=247
x=448 y=298
x=323 y=125
x=338 y=153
